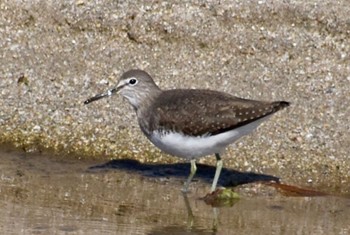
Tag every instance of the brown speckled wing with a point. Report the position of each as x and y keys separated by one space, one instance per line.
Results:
x=200 y=112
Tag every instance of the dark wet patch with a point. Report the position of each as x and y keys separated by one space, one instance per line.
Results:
x=228 y=177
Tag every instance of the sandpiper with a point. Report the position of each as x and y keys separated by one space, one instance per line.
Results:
x=190 y=123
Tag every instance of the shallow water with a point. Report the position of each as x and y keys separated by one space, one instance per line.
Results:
x=46 y=195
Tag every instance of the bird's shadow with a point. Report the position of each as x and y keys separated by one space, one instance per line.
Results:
x=228 y=177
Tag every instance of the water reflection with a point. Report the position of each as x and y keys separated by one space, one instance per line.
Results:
x=191 y=227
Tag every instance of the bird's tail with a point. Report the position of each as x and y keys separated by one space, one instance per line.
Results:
x=278 y=105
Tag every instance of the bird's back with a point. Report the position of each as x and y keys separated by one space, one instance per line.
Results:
x=204 y=112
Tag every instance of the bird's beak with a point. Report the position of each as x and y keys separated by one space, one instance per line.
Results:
x=102 y=95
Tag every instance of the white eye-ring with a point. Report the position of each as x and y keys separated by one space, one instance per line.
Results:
x=133 y=81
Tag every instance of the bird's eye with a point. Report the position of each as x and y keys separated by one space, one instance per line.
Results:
x=132 y=81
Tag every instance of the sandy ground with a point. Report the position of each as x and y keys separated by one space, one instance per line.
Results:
x=54 y=55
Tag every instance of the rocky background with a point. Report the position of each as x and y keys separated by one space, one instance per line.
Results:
x=56 y=54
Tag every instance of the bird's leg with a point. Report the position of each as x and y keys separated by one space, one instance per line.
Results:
x=189 y=179
x=217 y=172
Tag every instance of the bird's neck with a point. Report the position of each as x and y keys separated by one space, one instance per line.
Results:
x=145 y=99
x=144 y=110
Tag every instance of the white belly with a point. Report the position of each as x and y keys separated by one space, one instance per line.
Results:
x=190 y=147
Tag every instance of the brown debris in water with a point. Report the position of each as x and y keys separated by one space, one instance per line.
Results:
x=221 y=197
x=294 y=191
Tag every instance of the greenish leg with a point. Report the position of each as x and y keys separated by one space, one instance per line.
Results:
x=190 y=177
x=215 y=220
x=190 y=218
x=217 y=172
